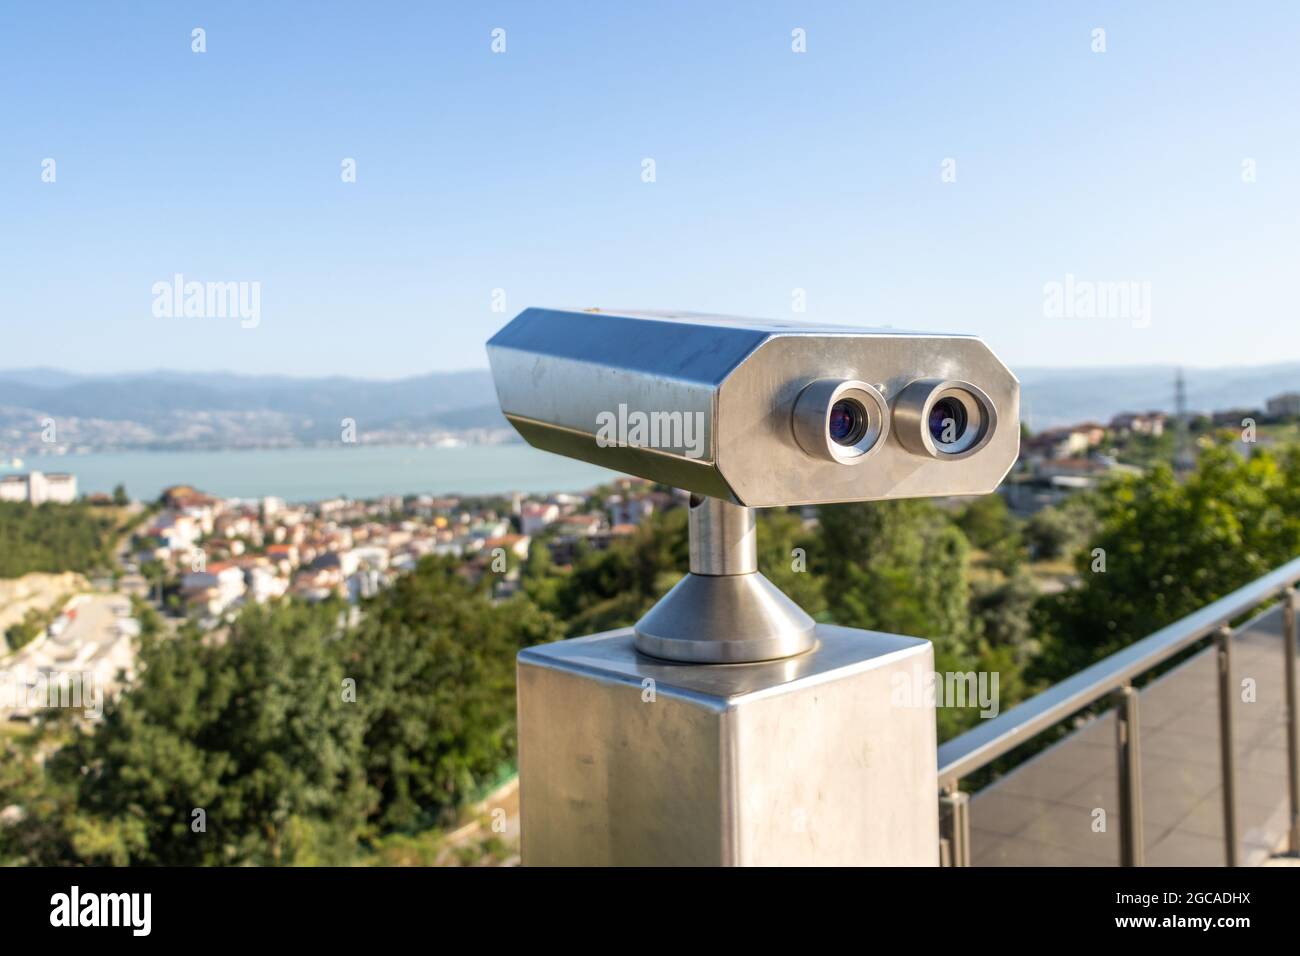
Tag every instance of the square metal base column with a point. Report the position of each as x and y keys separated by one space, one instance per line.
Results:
x=827 y=758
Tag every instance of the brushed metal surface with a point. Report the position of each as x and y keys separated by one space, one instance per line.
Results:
x=723 y=537
x=724 y=619
x=557 y=372
x=626 y=760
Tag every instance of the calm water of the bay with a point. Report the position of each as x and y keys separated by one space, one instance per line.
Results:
x=310 y=474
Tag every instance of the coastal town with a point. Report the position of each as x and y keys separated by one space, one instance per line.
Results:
x=225 y=552
x=200 y=557
x=197 y=556
x=222 y=553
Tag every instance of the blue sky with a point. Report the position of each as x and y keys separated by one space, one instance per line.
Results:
x=522 y=171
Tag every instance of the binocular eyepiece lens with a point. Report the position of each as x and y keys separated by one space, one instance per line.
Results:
x=944 y=419
x=840 y=420
x=847 y=423
x=948 y=420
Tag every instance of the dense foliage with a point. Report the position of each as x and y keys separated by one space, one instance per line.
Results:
x=898 y=566
x=1061 y=530
x=54 y=538
x=1165 y=548
x=298 y=739
x=22 y=632
x=434 y=665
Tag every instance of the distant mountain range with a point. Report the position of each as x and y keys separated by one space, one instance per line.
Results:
x=168 y=409
x=144 y=394
x=1052 y=397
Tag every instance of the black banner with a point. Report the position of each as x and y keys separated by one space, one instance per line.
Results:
x=337 y=905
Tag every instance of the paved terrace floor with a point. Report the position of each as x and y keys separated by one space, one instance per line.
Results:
x=1042 y=813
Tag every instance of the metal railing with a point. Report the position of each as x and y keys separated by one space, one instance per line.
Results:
x=1113 y=676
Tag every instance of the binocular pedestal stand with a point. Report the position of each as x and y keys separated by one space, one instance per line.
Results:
x=727 y=728
x=724 y=611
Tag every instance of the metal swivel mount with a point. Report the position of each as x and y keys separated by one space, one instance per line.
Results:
x=724 y=611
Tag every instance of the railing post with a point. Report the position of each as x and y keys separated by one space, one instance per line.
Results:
x=1292 y=715
x=956 y=826
x=1223 y=639
x=1131 y=848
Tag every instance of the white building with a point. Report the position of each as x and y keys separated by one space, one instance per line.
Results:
x=629 y=511
x=56 y=486
x=516 y=544
x=37 y=488
x=215 y=589
x=368 y=557
x=534 y=518
x=264 y=584
x=1148 y=423
x=176 y=531
x=13 y=488
x=202 y=515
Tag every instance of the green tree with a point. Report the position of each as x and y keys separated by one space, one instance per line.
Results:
x=990 y=526
x=898 y=566
x=27 y=630
x=613 y=587
x=434 y=666
x=1061 y=530
x=986 y=520
x=1168 y=549
x=32 y=810
x=253 y=732
x=53 y=538
x=298 y=739
x=1002 y=615
x=786 y=556
x=1011 y=685
x=120 y=497
x=540 y=578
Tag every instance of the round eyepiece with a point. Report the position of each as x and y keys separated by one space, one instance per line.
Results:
x=840 y=421
x=848 y=422
x=943 y=419
x=947 y=421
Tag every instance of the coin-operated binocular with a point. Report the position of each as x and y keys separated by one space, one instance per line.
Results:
x=727 y=726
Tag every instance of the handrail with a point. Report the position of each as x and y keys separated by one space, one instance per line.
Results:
x=982 y=745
